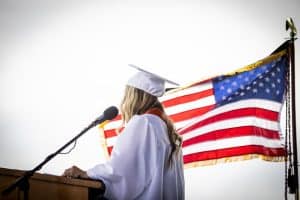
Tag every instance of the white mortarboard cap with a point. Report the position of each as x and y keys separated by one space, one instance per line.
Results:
x=148 y=82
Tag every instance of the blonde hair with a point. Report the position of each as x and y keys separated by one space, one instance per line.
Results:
x=137 y=102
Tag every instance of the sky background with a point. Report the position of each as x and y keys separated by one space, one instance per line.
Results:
x=63 y=62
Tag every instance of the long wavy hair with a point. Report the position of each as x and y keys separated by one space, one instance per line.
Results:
x=137 y=102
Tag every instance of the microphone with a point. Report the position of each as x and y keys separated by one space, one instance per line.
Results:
x=109 y=114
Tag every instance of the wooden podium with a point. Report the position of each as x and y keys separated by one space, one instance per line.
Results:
x=45 y=186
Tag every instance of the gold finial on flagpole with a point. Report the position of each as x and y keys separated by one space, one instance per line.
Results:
x=289 y=24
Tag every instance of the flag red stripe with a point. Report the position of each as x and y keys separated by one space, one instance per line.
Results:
x=111 y=132
x=244 y=112
x=109 y=149
x=187 y=98
x=232 y=132
x=190 y=113
x=234 y=151
x=118 y=117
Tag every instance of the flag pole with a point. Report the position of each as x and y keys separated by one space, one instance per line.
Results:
x=293 y=179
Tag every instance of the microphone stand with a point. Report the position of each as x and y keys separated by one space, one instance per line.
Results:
x=22 y=182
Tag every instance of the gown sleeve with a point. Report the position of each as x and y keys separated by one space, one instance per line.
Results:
x=132 y=163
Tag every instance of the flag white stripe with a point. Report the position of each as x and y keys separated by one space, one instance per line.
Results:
x=183 y=123
x=231 y=142
x=187 y=91
x=111 y=141
x=232 y=123
x=113 y=125
x=206 y=101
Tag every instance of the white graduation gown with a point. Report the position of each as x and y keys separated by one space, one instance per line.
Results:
x=138 y=167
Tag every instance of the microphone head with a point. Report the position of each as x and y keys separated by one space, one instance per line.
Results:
x=110 y=113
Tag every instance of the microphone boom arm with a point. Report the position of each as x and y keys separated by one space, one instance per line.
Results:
x=23 y=183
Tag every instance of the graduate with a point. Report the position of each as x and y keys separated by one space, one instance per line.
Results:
x=146 y=161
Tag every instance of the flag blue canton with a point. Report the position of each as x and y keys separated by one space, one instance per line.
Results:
x=264 y=82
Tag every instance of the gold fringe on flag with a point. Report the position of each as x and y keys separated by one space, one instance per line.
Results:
x=103 y=142
x=235 y=159
x=258 y=63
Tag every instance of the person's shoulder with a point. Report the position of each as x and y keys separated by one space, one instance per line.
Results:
x=136 y=119
x=147 y=117
x=143 y=119
x=138 y=123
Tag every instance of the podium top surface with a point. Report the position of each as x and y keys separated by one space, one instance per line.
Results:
x=52 y=178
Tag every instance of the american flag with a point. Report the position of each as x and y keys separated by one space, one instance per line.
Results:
x=228 y=117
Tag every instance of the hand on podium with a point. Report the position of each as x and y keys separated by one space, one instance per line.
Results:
x=75 y=172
